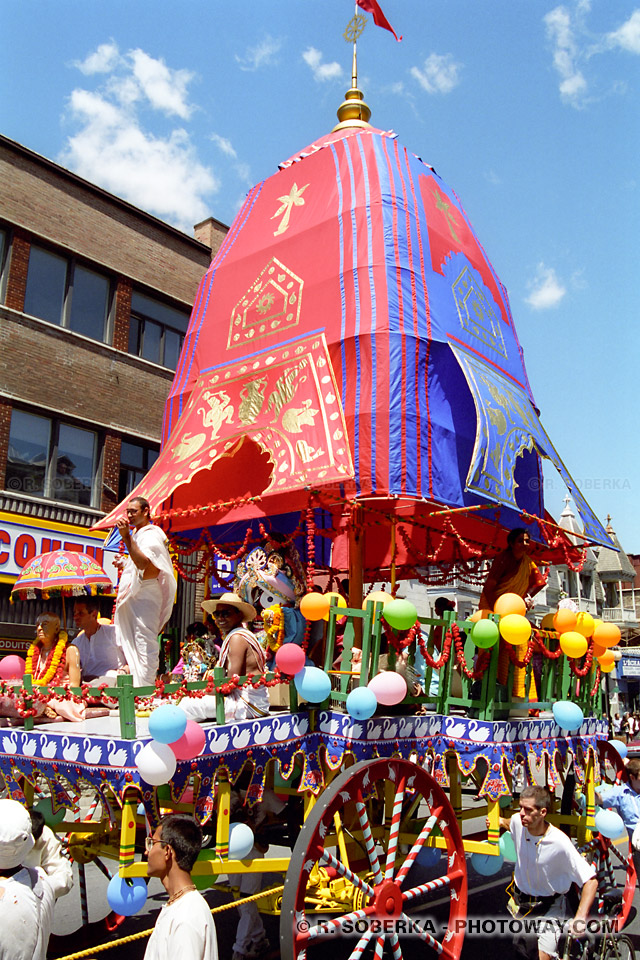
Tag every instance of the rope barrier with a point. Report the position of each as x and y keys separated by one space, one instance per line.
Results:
x=146 y=933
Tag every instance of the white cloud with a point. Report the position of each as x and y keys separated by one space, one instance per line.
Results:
x=321 y=71
x=224 y=145
x=560 y=31
x=264 y=54
x=111 y=147
x=440 y=73
x=102 y=60
x=546 y=289
x=628 y=35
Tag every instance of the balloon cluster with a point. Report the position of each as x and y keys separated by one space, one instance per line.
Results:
x=174 y=738
x=576 y=628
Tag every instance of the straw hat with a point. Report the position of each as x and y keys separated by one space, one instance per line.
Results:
x=16 y=838
x=247 y=610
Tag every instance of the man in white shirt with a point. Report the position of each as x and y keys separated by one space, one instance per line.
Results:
x=47 y=854
x=547 y=864
x=146 y=591
x=26 y=895
x=185 y=929
x=96 y=654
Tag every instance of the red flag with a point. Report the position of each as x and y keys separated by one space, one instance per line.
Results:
x=373 y=7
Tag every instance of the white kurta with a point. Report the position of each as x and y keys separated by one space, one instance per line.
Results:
x=144 y=606
x=47 y=854
x=184 y=931
x=26 y=913
x=99 y=653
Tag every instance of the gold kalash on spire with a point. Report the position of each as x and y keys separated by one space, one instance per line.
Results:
x=353 y=111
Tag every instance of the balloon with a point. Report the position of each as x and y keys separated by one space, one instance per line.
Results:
x=567 y=715
x=389 y=687
x=378 y=596
x=609 y=824
x=361 y=703
x=565 y=619
x=167 y=723
x=191 y=743
x=606 y=634
x=621 y=747
x=573 y=644
x=509 y=603
x=485 y=864
x=400 y=614
x=202 y=881
x=313 y=684
x=479 y=615
x=126 y=895
x=314 y=606
x=585 y=624
x=290 y=658
x=607 y=661
x=45 y=807
x=547 y=622
x=505 y=802
x=429 y=856
x=12 y=668
x=515 y=628
x=598 y=651
x=156 y=763
x=241 y=841
x=340 y=600
x=485 y=633
x=606 y=667
x=508 y=848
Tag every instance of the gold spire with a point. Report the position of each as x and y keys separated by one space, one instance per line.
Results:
x=353 y=111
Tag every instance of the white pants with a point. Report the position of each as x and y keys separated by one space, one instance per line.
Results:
x=237 y=705
x=137 y=629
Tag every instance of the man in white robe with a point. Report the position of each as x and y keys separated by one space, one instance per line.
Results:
x=146 y=592
x=26 y=895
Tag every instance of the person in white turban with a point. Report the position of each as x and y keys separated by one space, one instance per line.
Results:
x=26 y=895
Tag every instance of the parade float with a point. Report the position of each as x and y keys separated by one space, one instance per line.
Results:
x=351 y=393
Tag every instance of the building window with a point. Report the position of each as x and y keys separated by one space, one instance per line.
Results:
x=52 y=459
x=135 y=461
x=156 y=330
x=65 y=292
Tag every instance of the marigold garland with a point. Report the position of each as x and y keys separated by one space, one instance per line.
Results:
x=53 y=660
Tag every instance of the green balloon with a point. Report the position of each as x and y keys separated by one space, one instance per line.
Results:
x=505 y=802
x=485 y=633
x=508 y=847
x=202 y=881
x=400 y=614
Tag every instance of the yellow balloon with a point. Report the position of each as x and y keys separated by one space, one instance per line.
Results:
x=378 y=596
x=606 y=667
x=547 y=622
x=573 y=644
x=585 y=624
x=333 y=595
x=515 y=629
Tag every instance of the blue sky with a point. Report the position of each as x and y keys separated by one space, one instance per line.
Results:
x=527 y=108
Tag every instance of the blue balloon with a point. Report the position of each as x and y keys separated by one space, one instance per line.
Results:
x=508 y=848
x=568 y=715
x=361 y=703
x=429 y=856
x=620 y=746
x=126 y=895
x=313 y=684
x=241 y=840
x=610 y=824
x=167 y=723
x=485 y=864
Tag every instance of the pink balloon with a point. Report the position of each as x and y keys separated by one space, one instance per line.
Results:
x=290 y=658
x=389 y=688
x=12 y=668
x=191 y=743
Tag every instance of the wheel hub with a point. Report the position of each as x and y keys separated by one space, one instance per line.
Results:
x=387 y=899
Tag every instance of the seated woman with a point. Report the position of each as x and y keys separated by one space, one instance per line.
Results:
x=48 y=663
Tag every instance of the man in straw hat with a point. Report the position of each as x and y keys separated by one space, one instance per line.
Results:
x=241 y=655
x=26 y=894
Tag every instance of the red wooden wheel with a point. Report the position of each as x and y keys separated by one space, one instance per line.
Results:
x=348 y=888
x=615 y=869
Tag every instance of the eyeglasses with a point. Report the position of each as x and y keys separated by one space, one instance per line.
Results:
x=149 y=842
x=224 y=613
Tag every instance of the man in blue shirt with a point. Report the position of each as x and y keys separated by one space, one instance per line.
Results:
x=625 y=800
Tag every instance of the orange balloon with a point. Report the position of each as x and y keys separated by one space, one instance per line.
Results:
x=598 y=651
x=585 y=624
x=606 y=634
x=607 y=660
x=378 y=596
x=510 y=603
x=565 y=620
x=314 y=606
x=606 y=667
x=340 y=600
x=479 y=615
x=573 y=644
x=547 y=622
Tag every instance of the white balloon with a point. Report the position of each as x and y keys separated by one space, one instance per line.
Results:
x=156 y=763
x=241 y=841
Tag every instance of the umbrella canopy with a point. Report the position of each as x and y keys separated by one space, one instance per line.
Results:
x=351 y=338
x=61 y=572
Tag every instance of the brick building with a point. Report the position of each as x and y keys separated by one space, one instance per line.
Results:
x=95 y=297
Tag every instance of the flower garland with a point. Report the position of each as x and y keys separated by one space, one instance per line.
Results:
x=484 y=656
x=52 y=663
x=273 y=620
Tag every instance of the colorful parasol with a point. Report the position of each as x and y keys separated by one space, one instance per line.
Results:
x=61 y=573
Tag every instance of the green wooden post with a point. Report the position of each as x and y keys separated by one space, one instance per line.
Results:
x=126 y=706
x=219 y=677
x=27 y=683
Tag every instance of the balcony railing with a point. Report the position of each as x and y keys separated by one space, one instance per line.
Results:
x=619 y=615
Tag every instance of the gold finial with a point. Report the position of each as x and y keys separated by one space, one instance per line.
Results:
x=353 y=111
